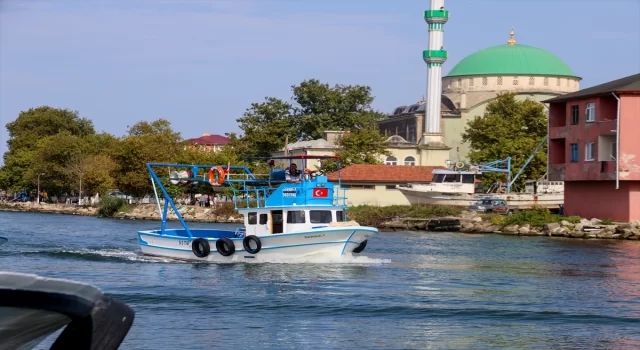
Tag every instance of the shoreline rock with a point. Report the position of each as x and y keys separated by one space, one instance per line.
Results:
x=467 y=222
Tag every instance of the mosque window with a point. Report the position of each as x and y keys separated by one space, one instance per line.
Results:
x=558 y=81
x=567 y=82
x=470 y=81
x=531 y=80
x=546 y=81
x=484 y=81
x=499 y=80
x=515 y=80
x=459 y=82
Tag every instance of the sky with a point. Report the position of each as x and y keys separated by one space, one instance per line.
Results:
x=201 y=63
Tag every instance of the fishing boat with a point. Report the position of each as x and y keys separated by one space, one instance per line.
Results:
x=458 y=185
x=287 y=214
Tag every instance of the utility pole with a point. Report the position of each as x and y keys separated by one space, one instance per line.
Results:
x=38 y=194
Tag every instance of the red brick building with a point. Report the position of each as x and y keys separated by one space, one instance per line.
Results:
x=208 y=142
x=594 y=146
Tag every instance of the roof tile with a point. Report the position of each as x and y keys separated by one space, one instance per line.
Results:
x=384 y=173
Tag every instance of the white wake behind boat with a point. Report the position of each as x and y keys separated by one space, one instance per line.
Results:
x=282 y=220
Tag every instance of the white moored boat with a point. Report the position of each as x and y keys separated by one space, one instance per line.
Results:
x=282 y=219
x=457 y=186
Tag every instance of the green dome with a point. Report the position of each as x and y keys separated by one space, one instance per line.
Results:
x=512 y=60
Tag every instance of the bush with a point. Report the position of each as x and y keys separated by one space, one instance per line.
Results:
x=606 y=222
x=110 y=206
x=373 y=216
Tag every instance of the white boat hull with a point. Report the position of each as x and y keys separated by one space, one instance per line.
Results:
x=514 y=200
x=332 y=242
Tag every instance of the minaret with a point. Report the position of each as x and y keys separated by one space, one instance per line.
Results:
x=436 y=17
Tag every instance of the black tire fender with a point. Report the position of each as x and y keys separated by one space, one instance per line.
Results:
x=360 y=247
x=200 y=247
x=246 y=244
x=225 y=246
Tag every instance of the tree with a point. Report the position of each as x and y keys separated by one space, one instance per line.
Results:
x=512 y=128
x=27 y=133
x=363 y=146
x=342 y=107
x=318 y=108
x=146 y=142
x=266 y=125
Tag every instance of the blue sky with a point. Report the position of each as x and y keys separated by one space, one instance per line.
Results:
x=201 y=63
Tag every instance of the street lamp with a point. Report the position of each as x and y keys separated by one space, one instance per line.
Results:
x=38 y=194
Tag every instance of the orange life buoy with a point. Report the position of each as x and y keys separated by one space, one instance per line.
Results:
x=221 y=175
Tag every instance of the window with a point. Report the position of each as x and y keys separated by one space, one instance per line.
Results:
x=558 y=82
x=253 y=218
x=391 y=187
x=588 y=151
x=391 y=161
x=590 y=112
x=515 y=80
x=340 y=215
x=470 y=81
x=320 y=216
x=295 y=217
x=575 y=114
x=614 y=151
x=409 y=161
x=484 y=81
x=263 y=219
x=531 y=80
x=546 y=81
x=468 y=179
x=574 y=152
x=499 y=80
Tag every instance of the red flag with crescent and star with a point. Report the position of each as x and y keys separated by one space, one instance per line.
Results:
x=320 y=192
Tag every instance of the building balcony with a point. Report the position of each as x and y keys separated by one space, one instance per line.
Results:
x=434 y=56
x=436 y=16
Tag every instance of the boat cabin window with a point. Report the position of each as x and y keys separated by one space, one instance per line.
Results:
x=468 y=179
x=263 y=219
x=339 y=215
x=253 y=218
x=295 y=217
x=452 y=178
x=320 y=216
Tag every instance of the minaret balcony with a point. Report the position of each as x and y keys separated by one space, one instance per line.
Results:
x=436 y=16
x=434 y=56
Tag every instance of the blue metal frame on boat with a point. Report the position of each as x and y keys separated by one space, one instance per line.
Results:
x=312 y=191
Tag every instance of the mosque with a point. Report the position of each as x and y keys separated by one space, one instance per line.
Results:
x=428 y=133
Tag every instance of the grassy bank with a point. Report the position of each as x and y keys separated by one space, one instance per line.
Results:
x=373 y=216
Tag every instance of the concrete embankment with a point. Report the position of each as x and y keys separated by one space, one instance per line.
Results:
x=472 y=223
x=139 y=212
x=467 y=222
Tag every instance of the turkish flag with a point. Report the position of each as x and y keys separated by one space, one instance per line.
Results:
x=321 y=192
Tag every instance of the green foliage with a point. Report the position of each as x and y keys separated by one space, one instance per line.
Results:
x=573 y=219
x=109 y=206
x=373 y=216
x=318 y=108
x=29 y=136
x=606 y=222
x=498 y=219
x=364 y=146
x=512 y=128
x=266 y=125
x=342 y=107
x=535 y=217
x=146 y=142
